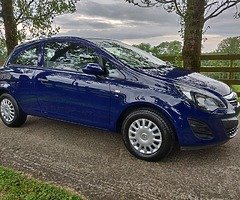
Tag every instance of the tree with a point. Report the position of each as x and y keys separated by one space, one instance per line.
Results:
x=194 y=14
x=3 y=52
x=31 y=17
x=144 y=46
x=229 y=45
x=164 y=48
x=168 y=48
x=9 y=24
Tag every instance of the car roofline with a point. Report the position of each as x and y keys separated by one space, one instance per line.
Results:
x=35 y=41
x=29 y=42
x=99 y=38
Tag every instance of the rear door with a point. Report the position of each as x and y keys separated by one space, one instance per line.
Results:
x=65 y=92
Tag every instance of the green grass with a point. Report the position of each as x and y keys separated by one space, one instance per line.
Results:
x=236 y=88
x=15 y=186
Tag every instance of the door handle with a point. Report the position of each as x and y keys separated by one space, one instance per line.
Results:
x=43 y=80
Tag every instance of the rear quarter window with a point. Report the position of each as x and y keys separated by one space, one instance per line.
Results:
x=28 y=57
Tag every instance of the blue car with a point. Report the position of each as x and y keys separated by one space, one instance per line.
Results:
x=109 y=85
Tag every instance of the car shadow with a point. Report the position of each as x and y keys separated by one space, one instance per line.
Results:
x=111 y=144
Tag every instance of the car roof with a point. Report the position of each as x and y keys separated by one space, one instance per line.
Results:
x=35 y=41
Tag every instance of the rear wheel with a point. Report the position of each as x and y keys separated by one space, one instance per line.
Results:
x=148 y=135
x=10 y=113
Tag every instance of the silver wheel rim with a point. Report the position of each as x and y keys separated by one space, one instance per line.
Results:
x=7 y=110
x=145 y=136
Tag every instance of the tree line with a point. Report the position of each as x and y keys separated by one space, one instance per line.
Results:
x=229 y=45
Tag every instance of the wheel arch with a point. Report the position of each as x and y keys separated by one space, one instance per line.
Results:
x=135 y=106
x=4 y=90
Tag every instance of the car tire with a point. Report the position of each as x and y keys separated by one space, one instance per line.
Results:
x=10 y=112
x=148 y=135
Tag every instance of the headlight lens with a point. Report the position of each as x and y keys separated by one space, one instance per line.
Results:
x=207 y=101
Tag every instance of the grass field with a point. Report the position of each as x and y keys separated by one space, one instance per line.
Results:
x=15 y=186
x=236 y=88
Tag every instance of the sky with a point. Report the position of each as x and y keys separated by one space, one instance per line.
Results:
x=119 y=20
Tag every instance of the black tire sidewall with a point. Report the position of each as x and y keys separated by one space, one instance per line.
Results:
x=166 y=131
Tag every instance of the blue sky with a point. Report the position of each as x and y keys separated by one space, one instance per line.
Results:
x=133 y=25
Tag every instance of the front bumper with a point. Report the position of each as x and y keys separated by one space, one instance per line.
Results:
x=209 y=129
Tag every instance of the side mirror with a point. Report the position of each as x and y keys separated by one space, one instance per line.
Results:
x=93 y=69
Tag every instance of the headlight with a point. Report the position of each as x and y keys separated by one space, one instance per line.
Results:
x=206 y=101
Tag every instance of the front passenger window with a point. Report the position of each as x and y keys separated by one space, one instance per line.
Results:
x=68 y=56
x=112 y=70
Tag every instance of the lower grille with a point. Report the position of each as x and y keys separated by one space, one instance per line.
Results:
x=231 y=132
x=200 y=129
x=231 y=126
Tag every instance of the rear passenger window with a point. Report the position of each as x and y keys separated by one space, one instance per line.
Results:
x=68 y=56
x=28 y=57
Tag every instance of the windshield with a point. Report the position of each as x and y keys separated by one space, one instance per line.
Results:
x=132 y=56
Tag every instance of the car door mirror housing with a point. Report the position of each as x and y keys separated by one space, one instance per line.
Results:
x=93 y=69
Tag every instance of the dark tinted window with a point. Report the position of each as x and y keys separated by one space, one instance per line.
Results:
x=28 y=57
x=68 y=56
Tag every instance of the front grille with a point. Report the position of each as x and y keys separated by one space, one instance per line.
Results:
x=232 y=98
x=233 y=102
x=231 y=126
x=231 y=132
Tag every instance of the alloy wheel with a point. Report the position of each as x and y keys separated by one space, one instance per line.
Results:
x=7 y=110
x=145 y=136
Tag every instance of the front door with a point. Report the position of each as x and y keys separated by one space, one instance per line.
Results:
x=65 y=92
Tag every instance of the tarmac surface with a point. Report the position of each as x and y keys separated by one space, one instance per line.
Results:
x=97 y=165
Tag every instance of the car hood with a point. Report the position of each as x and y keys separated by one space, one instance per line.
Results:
x=180 y=76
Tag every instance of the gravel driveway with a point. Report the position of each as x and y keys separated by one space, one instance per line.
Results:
x=96 y=164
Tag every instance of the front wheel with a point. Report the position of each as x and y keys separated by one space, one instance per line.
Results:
x=10 y=113
x=148 y=135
